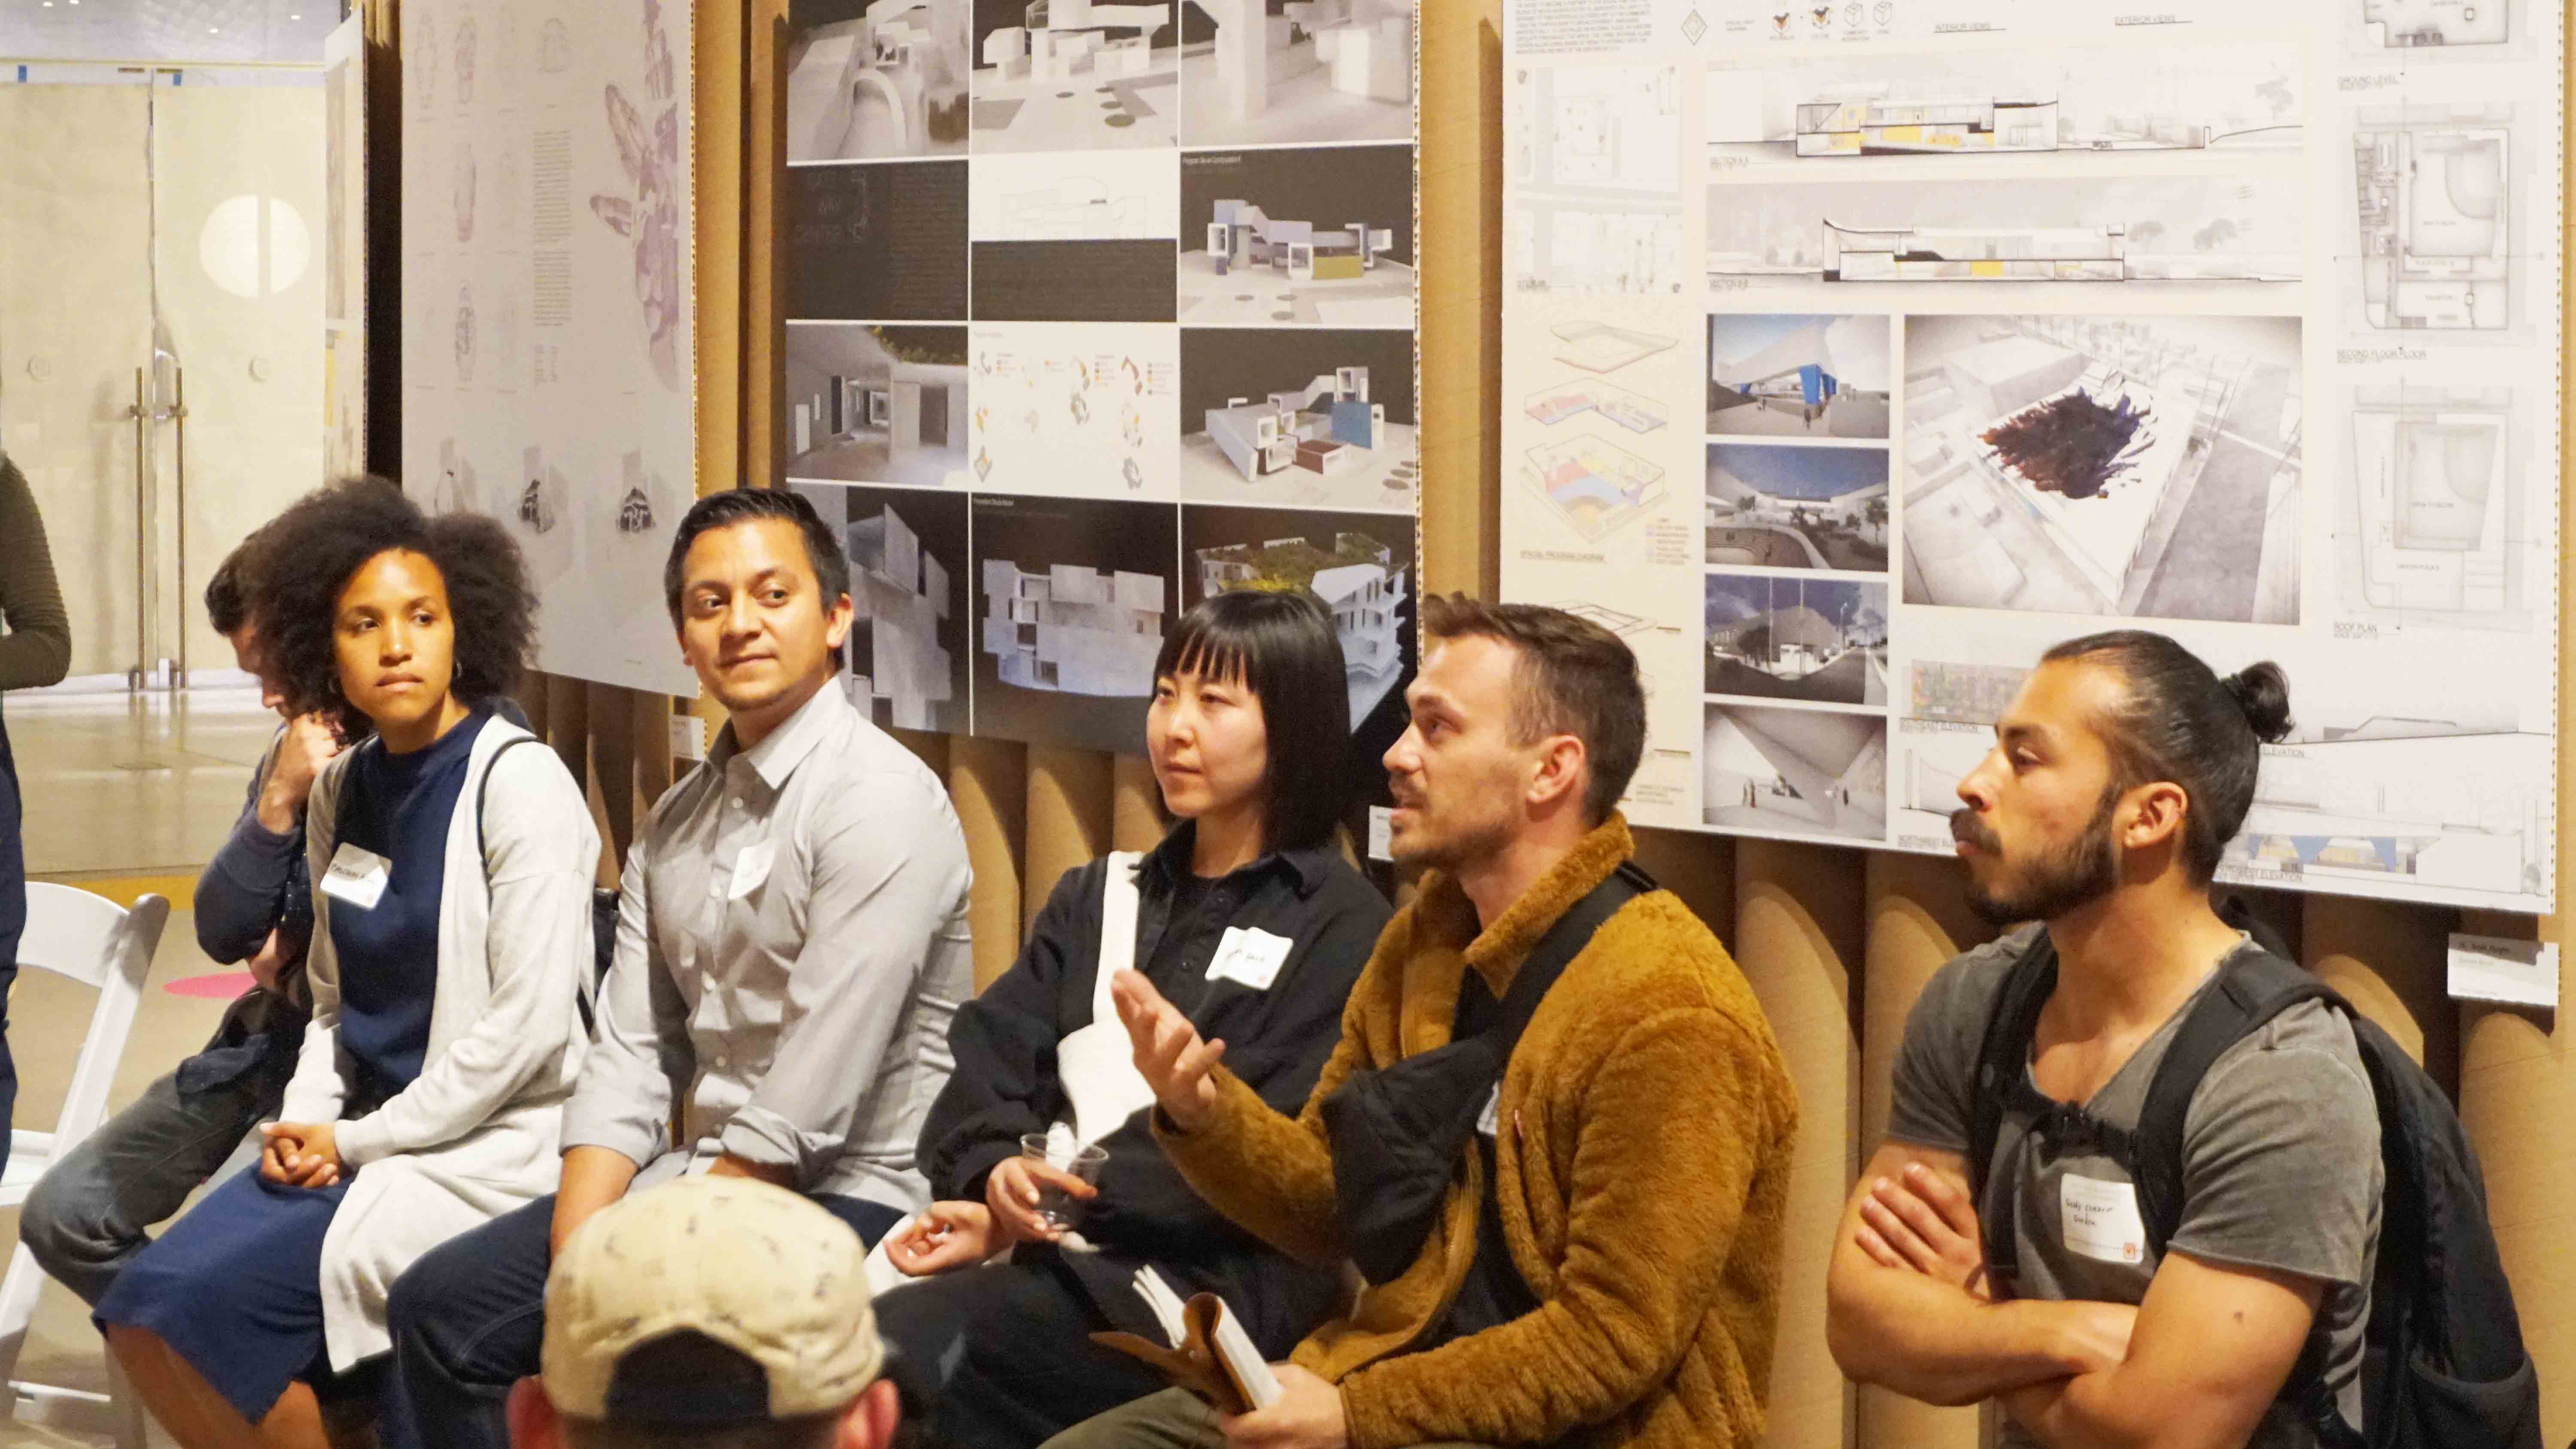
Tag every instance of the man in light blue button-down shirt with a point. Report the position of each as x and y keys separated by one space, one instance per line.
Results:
x=791 y=944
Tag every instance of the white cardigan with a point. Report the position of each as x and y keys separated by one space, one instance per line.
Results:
x=476 y=1134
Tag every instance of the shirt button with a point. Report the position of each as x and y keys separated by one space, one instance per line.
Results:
x=737 y=802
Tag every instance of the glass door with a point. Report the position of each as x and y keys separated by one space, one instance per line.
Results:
x=161 y=335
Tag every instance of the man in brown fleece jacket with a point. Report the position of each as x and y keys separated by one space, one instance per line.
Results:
x=1602 y=1263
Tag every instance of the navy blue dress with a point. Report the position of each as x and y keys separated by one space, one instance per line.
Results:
x=234 y=1287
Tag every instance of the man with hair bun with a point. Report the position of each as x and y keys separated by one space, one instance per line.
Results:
x=2118 y=775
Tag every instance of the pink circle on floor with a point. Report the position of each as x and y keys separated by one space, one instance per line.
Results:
x=219 y=986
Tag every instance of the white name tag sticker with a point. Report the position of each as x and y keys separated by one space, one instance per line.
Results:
x=357 y=875
x=1249 y=955
x=751 y=868
x=2100 y=1219
x=1489 y=1121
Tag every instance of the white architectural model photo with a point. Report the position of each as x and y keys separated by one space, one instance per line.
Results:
x=1321 y=444
x=1258 y=269
x=1320 y=70
x=1074 y=629
x=1778 y=770
x=877 y=405
x=891 y=81
x=1359 y=581
x=899 y=672
x=1077 y=74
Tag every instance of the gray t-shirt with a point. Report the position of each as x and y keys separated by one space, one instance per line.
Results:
x=2281 y=1163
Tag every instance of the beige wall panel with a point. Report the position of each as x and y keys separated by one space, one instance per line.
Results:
x=1135 y=804
x=1068 y=820
x=987 y=782
x=2390 y=961
x=1918 y=919
x=1461 y=253
x=1698 y=868
x=1798 y=922
x=75 y=322
x=931 y=749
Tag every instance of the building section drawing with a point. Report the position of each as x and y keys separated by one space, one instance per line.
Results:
x=2165 y=229
x=889 y=81
x=1776 y=770
x=2417 y=24
x=2432 y=191
x=1358 y=580
x=1075 y=629
x=1591 y=486
x=1574 y=398
x=1797 y=508
x=2435 y=530
x=1316 y=70
x=2447 y=812
x=2237 y=99
x=1076 y=75
x=1600 y=347
x=2104 y=465
x=877 y=404
x=1074 y=410
x=1818 y=641
x=1798 y=376
x=1105 y=196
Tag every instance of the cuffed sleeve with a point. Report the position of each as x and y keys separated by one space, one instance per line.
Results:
x=641 y=1054
x=241 y=894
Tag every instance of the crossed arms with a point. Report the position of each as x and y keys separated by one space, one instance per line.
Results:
x=2194 y=1366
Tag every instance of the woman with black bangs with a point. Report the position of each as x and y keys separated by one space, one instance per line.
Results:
x=451 y=940
x=1249 y=912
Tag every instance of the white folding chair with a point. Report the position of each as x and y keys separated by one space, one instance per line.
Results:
x=93 y=941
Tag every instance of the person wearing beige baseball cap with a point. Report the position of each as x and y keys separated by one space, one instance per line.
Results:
x=714 y=1312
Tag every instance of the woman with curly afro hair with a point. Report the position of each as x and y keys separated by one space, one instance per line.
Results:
x=451 y=943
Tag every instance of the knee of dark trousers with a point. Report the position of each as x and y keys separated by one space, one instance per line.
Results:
x=413 y=1304
x=57 y=1232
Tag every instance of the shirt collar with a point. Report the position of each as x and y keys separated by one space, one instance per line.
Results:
x=784 y=748
x=1171 y=859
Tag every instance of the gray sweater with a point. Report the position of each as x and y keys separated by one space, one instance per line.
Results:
x=37 y=649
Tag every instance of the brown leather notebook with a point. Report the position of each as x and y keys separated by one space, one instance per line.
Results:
x=1213 y=1358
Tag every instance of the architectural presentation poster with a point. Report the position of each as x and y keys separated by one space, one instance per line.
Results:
x=2006 y=323
x=1094 y=310
x=549 y=363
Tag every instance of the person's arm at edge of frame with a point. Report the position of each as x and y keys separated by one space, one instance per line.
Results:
x=37 y=650
x=619 y=1115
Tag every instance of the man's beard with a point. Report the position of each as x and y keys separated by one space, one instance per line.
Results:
x=1476 y=840
x=2064 y=879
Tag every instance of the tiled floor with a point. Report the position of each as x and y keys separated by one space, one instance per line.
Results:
x=122 y=795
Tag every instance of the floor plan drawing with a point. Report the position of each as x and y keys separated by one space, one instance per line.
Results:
x=1617 y=621
x=2435 y=523
x=1565 y=246
x=2432 y=192
x=1600 y=128
x=1553 y=405
x=2104 y=465
x=2416 y=24
x=2164 y=229
x=2232 y=99
x=1592 y=486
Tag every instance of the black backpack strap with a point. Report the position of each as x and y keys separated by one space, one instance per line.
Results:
x=1557 y=949
x=2003 y=1076
x=483 y=789
x=2252 y=988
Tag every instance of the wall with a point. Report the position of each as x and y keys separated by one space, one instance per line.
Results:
x=1836 y=942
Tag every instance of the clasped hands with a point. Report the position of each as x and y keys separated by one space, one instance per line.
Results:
x=301 y=1154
